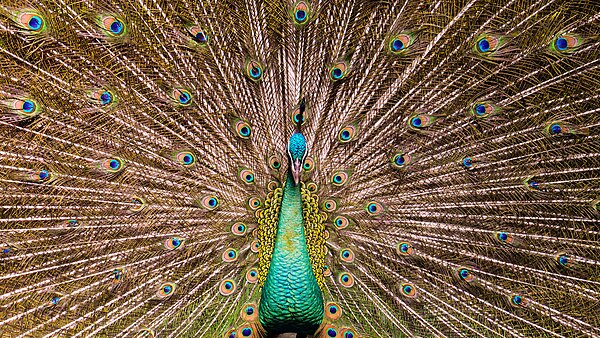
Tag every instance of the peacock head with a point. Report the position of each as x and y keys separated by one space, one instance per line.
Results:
x=297 y=153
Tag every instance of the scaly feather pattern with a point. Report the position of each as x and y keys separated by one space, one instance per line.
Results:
x=415 y=168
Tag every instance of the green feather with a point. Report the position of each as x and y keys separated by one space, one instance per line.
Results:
x=291 y=300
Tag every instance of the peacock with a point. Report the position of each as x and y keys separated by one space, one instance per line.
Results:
x=308 y=168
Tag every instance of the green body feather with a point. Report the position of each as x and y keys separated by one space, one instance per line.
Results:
x=291 y=300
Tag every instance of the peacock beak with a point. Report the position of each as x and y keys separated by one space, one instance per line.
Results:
x=296 y=169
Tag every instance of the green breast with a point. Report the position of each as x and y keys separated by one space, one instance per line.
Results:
x=291 y=300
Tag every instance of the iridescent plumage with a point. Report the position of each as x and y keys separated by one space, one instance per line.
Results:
x=334 y=169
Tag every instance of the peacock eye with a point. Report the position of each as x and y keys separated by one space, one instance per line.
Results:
x=31 y=21
x=420 y=121
x=404 y=248
x=483 y=109
x=374 y=208
x=309 y=164
x=210 y=202
x=467 y=162
x=338 y=71
x=483 y=45
x=254 y=246
x=112 y=25
x=35 y=23
x=116 y=27
x=341 y=222
x=301 y=12
x=555 y=129
x=401 y=160
x=565 y=43
x=184 y=98
x=348 y=333
x=230 y=255
x=246 y=331
x=254 y=70
x=254 y=202
x=186 y=158
x=249 y=313
x=409 y=290
x=465 y=274
x=486 y=44
x=346 y=279
x=274 y=162
x=563 y=259
x=398 y=44
x=112 y=165
x=138 y=204
x=517 y=300
x=330 y=205
x=28 y=106
x=299 y=118
x=55 y=300
x=247 y=176
x=347 y=255
x=242 y=128
x=347 y=133
x=118 y=274
x=24 y=107
x=333 y=311
x=227 y=287
x=173 y=243
x=252 y=275
x=105 y=98
x=480 y=109
x=238 y=229
x=339 y=178
x=198 y=35
x=504 y=237
x=44 y=175
x=561 y=43
x=181 y=97
x=245 y=131
x=166 y=290
x=72 y=223
x=300 y=15
x=416 y=122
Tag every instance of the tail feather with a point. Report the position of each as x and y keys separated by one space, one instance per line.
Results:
x=457 y=144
